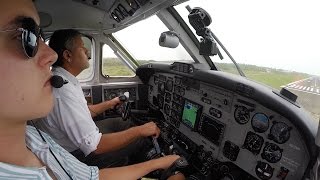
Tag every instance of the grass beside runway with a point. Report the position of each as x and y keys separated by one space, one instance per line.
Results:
x=274 y=78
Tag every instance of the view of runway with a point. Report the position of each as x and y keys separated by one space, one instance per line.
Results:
x=308 y=92
x=310 y=85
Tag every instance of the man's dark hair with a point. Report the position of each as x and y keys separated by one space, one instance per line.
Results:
x=62 y=40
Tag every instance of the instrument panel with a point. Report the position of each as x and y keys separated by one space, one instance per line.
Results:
x=225 y=133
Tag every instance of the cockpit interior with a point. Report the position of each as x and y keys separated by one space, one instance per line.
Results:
x=226 y=126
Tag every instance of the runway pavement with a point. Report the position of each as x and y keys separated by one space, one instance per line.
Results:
x=308 y=92
x=310 y=85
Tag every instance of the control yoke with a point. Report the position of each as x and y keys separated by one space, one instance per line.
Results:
x=177 y=165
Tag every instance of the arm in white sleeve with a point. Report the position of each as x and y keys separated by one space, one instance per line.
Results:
x=74 y=119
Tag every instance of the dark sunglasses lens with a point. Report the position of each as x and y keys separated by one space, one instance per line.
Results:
x=30 y=43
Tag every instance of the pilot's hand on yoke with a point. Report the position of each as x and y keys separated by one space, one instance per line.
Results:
x=169 y=160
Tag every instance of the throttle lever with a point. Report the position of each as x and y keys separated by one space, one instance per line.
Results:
x=156 y=145
x=155 y=152
x=178 y=164
x=123 y=98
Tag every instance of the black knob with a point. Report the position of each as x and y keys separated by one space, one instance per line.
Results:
x=123 y=98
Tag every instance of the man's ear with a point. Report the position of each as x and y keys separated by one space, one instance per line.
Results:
x=67 y=55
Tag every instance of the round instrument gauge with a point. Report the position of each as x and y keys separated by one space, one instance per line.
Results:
x=264 y=171
x=167 y=97
x=272 y=153
x=177 y=81
x=253 y=143
x=169 y=85
x=160 y=101
x=279 y=132
x=242 y=114
x=260 y=122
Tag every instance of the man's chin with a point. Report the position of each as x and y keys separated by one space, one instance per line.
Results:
x=85 y=66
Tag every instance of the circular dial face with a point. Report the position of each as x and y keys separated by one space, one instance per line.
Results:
x=242 y=114
x=167 y=97
x=279 y=132
x=264 y=171
x=160 y=101
x=253 y=142
x=169 y=85
x=260 y=122
x=272 y=153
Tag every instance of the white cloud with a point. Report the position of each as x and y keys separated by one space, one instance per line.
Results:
x=275 y=33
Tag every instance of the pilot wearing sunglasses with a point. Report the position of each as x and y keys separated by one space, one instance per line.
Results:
x=26 y=93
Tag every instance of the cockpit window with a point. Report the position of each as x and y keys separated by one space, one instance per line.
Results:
x=113 y=66
x=142 y=41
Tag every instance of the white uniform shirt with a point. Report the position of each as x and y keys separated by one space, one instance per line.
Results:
x=75 y=168
x=70 y=123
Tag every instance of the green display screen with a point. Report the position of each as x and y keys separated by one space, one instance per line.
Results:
x=190 y=112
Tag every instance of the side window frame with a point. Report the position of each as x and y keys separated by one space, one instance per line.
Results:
x=121 y=53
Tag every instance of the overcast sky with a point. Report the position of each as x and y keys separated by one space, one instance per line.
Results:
x=274 y=33
x=283 y=34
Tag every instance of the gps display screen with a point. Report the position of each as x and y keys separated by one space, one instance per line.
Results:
x=190 y=113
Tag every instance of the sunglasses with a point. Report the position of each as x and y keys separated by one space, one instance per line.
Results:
x=30 y=35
